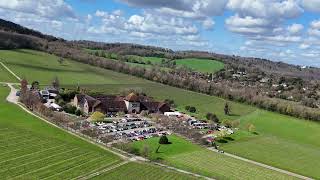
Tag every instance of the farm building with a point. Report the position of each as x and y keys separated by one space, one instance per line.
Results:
x=112 y=104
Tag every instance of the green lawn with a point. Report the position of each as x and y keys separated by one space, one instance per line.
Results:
x=5 y=76
x=185 y=155
x=283 y=142
x=43 y=67
x=134 y=170
x=201 y=65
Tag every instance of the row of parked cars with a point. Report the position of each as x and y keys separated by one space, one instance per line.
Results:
x=141 y=134
x=128 y=128
x=116 y=126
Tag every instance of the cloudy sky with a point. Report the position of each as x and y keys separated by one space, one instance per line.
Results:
x=286 y=30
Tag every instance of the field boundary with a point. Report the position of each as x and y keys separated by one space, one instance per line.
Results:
x=263 y=165
x=11 y=72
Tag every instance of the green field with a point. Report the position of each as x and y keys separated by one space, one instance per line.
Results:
x=185 y=155
x=141 y=172
x=33 y=149
x=282 y=141
x=153 y=60
x=34 y=65
x=201 y=65
x=5 y=76
x=92 y=51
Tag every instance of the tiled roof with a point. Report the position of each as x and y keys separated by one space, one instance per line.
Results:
x=132 y=97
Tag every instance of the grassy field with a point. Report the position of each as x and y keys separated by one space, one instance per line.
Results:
x=282 y=141
x=185 y=155
x=32 y=149
x=93 y=51
x=43 y=67
x=201 y=65
x=5 y=76
x=142 y=172
x=153 y=60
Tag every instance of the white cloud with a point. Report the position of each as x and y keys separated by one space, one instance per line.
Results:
x=311 y=54
x=314 y=29
x=208 y=24
x=183 y=8
x=247 y=25
x=44 y=8
x=266 y=8
x=304 y=46
x=311 y=5
x=295 y=28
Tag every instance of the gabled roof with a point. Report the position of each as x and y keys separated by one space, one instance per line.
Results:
x=112 y=105
x=151 y=106
x=80 y=97
x=132 y=97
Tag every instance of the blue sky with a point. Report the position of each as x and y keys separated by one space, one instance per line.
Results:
x=280 y=30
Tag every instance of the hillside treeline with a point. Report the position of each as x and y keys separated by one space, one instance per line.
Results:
x=177 y=77
x=244 y=95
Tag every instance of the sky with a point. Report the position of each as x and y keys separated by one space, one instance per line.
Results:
x=279 y=30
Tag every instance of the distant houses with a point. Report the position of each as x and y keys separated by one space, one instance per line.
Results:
x=107 y=104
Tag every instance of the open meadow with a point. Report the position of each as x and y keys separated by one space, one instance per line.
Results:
x=5 y=76
x=186 y=155
x=33 y=149
x=142 y=172
x=35 y=65
x=282 y=141
x=152 y=60
x=201 y=65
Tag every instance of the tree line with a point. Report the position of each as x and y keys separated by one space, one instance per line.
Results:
x=186 y=81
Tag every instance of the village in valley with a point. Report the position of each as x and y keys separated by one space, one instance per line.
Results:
x=115 y=118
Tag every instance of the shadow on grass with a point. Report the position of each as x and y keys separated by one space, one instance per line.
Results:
x=234 y=115
x=228 y=138
x=223 y=141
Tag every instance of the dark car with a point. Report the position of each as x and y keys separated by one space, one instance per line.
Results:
x=18 y=93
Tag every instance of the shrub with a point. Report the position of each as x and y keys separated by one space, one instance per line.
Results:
x=163 y=140
x=212 y=117
x=228 y=123
x=97 y=116
x=251 y=128
x=192 y=109
x=69 y=109
x=187 y=108
x=78 y=112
